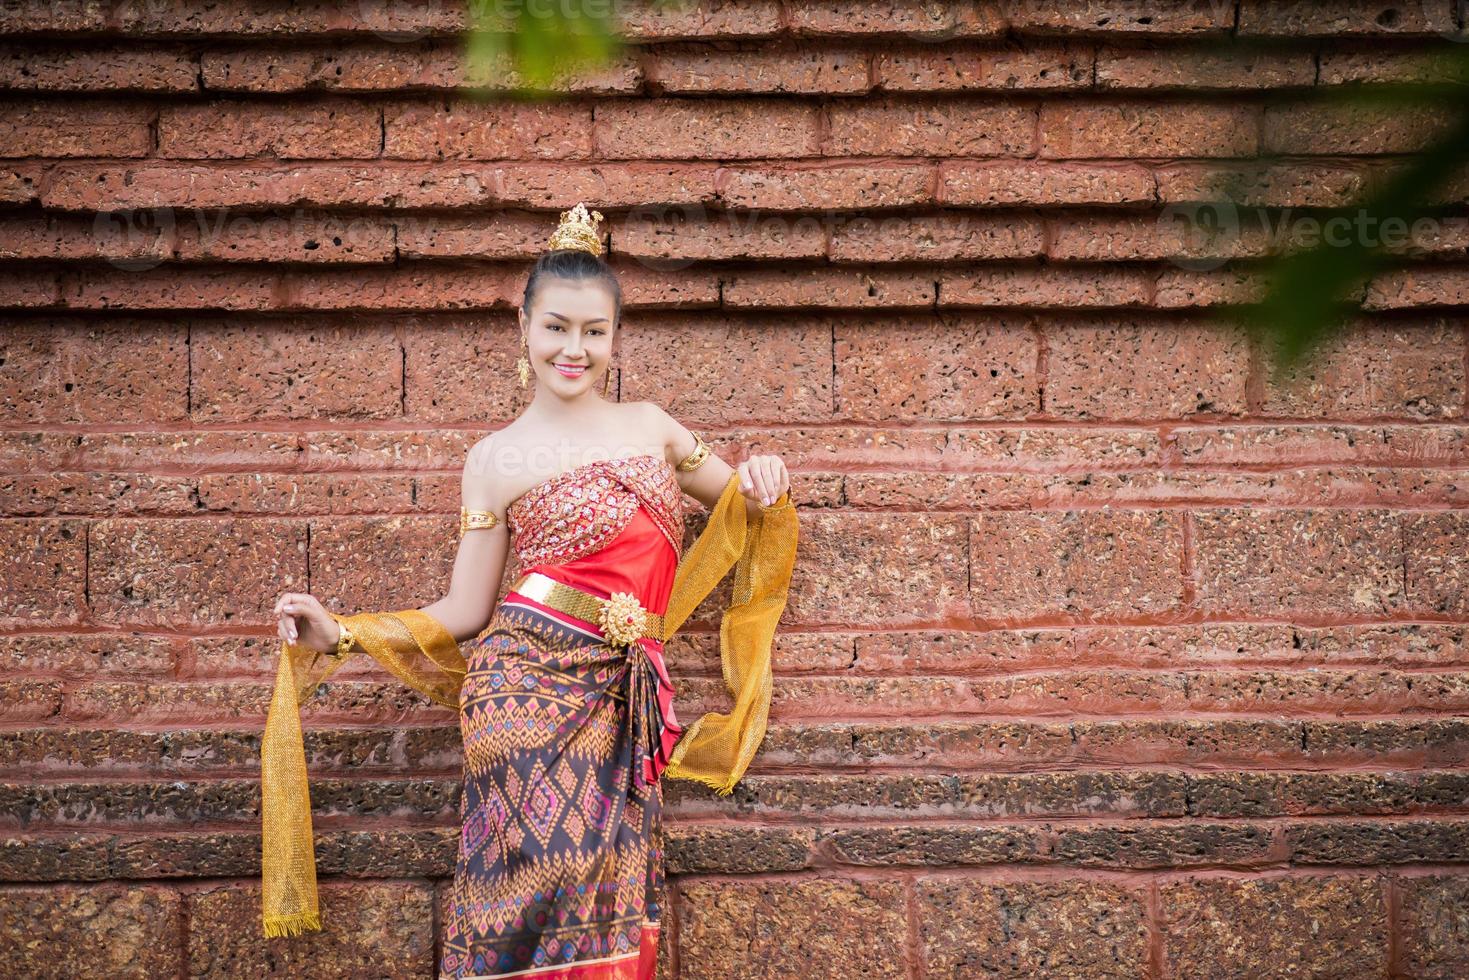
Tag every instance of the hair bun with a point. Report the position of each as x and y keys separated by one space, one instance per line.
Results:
x=578 y=230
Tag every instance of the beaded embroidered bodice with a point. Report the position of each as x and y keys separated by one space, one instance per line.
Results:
x=578 y=512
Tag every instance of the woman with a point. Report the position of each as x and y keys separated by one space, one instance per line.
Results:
x=565 y=700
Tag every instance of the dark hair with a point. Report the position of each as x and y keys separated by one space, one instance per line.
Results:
x=574 y=265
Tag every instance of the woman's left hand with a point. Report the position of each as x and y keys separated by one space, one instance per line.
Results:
x=763 y=479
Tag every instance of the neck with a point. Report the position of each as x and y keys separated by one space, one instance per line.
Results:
x=585 y=407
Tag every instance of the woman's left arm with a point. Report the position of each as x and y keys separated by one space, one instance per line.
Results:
x=763 y=478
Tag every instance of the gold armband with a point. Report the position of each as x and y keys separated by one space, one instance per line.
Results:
x=694 y=459
x=470 y=520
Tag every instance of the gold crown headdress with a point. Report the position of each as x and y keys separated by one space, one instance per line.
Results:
x=578 y=229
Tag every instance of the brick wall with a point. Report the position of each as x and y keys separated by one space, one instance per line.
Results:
x=1108 y=653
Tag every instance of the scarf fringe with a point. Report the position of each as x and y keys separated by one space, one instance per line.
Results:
x=292 y=925
x=723 y=787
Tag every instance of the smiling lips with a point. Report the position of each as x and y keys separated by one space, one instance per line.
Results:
x=571 y=370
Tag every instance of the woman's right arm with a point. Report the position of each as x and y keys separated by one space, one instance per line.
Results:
x=473 y=586
x=475 y=582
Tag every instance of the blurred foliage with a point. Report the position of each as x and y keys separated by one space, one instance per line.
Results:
x=1312 y=292
x=531 y=48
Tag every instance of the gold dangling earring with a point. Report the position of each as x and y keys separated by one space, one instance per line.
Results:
x=606 y=377
x=522 y=363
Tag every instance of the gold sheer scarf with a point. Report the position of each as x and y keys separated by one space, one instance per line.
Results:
x=418 y=650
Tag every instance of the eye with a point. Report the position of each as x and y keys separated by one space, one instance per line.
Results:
x=553 y=326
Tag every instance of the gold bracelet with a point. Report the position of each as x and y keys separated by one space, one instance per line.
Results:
x=470 y=520
x=344 y=641
x=696 y=458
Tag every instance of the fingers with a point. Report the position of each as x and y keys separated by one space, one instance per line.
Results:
x=286 y=608
x=764 y=478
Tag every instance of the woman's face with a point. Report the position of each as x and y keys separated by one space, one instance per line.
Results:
x=569 y=327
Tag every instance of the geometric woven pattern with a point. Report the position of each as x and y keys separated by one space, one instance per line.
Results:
x=560 y=858
x=561 y=848
x=565 y=736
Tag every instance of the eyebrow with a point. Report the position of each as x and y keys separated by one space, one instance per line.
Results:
x=600 y=319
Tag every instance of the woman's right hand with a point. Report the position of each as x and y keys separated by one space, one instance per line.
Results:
x=301 y=615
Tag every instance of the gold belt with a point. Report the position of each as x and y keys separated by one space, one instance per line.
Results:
x=621 y=616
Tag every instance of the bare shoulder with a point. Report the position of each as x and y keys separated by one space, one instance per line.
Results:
x=480 y=485
x=668 y=431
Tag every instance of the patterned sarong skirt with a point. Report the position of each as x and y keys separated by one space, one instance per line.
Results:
x=560 y=859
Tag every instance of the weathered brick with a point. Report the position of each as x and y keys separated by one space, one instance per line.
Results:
x=354 y=67
x=635 y=184
x=1268 y=183
x=793 y=355
x=1050 y=67
x=44 y=67
x=1266 y=794
x=68 y=856
x=223 y=571
x=1435 y=931
x=943 y=237
x=404 y=549
x=63 y=371
x=1047 y=286
x=697 y=849
x=1302 y=18
x=171 y=17
x=77 y=128
x=1408 y=743
x=958 y=367
x=490 y=130
x=88 y=655
x=1322 y=443
x=1346 y=66
x=1163 y=846
x=378 y=928
x=1079 y=563
x=909 y=127
x=828 y=287
x=674 y=238
x=1092 y=369
x=305 y=493
x=1423 y=286
x=45 y=571
x=1146 y=129
x=725 y=927
x=1329 y=128
x=248 y=373
x=906 y=567
x=833 y=187
x=1302 y=560
x=701 y=129
x=302 y=236
x=1414 y=370
x=932 y=845
x=222 y=130
x=1043 y=183
x=1433 y=561
x=1196 y=68
x=139 y=928
x=911 y=19
x=1179 y=236
x=769 y=70
x=1364 y=842
x=1319 y=925
x=999 y=928
x=656 y=21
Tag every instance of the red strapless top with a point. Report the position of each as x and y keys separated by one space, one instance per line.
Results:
x=611 y=525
